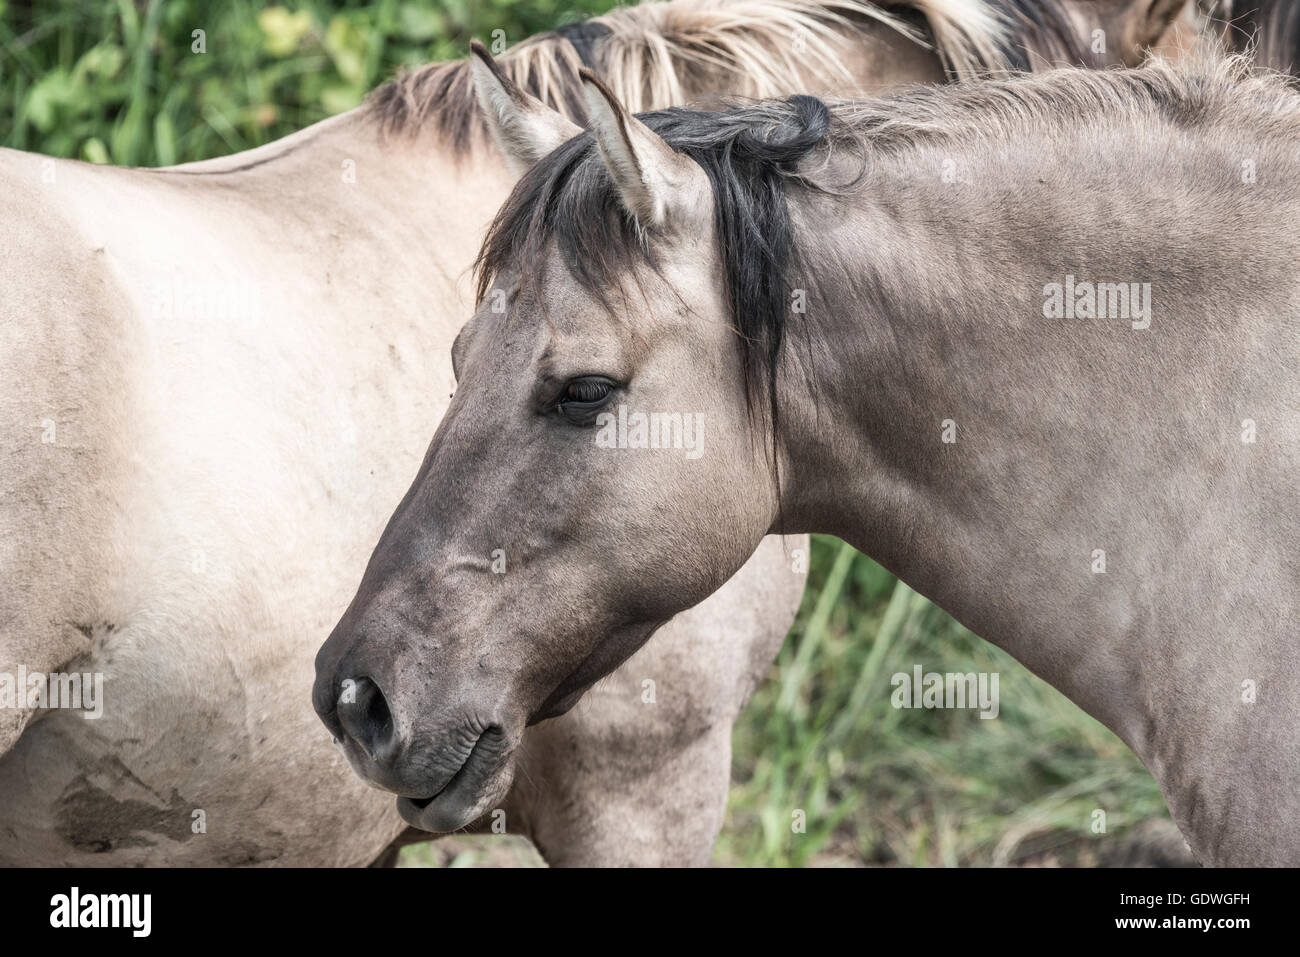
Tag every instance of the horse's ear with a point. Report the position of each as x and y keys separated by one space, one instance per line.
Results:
x=1155 y=17
x=649 y=175
x=524 y=127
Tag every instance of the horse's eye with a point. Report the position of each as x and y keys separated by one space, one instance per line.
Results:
x=583 y=397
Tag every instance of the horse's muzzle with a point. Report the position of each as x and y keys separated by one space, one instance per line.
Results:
x=444 y=779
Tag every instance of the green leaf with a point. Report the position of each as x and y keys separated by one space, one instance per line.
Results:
x=340 y=99
x=164 y=139
x=52 y=93
x=346 y=45
x=419 y=23
x=283 y=30
x=94 y=151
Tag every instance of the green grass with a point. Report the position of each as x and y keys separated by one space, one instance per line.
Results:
x=884 y=785
x=121 y=82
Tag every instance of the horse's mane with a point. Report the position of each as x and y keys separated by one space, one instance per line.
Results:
x=649 y=53
x=1267 y=29
x=760 y=157
x=1209 y=89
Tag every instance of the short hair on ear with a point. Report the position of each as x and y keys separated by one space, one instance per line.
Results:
x=524 y=128
x=646 y=171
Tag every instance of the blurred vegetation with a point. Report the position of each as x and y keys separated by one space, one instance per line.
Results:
x=116 y=81
x=121 y=82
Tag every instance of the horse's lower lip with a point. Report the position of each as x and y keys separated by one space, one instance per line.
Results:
x=466 y=796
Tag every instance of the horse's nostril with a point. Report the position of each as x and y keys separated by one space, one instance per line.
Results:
x=364 y=714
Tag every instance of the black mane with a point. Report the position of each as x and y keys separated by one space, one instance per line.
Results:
x=749 y=154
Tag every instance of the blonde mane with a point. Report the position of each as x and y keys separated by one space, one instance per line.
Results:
x=649 y=55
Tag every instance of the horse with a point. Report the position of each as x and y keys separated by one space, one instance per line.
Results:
x=219 y=377
x=987 y=334
x=222 y=370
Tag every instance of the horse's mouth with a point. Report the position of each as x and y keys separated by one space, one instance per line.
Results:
x=481 y=781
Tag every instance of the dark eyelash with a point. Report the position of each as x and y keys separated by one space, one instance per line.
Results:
x=587 y=390
x=592 y=394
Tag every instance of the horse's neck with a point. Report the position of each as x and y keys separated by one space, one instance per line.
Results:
x=407 y=196
x=989 y=455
